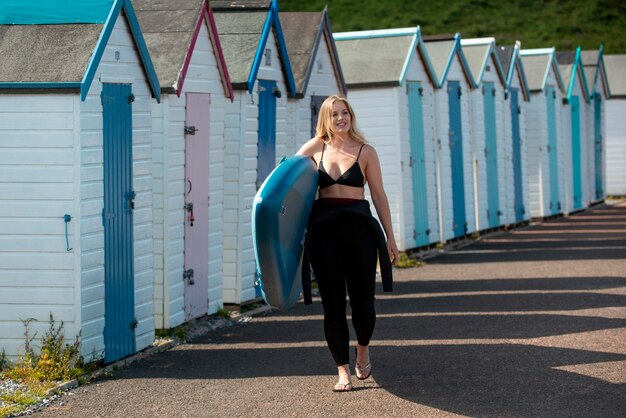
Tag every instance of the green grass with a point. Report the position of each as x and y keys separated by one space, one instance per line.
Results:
x=537 y=24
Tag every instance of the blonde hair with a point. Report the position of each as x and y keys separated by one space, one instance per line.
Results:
x=324 y=129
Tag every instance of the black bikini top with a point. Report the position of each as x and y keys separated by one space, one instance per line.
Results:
x=353 y=177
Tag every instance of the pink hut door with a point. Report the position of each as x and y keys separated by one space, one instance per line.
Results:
x=196 y=273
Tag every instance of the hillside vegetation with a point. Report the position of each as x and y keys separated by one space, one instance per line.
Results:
x=564 y=24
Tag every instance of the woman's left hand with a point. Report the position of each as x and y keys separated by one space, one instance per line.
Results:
x=394 y=255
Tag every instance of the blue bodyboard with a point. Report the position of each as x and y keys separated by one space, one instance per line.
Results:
x=280 y=213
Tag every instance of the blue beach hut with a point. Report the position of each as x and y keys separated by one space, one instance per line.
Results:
x=574 y=113
x=76 y=86
x=544 y=133
x=255 y=127
x=490 y=154
x=392 y=83
x=517 y=96
x=599 y=91
x=453 y=153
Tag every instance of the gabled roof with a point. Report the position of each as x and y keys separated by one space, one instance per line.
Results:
x=244 y=32
x=171 y=28
x=538 y=63
x=616 y=74
x=304 y=31
x=511 y=60
x=477 y=52
x=572 y=68
x=381 y=57
x=61 y=48
x=594 y=68
x=441 y=50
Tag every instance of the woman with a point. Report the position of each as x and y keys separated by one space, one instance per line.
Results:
x=343 y=237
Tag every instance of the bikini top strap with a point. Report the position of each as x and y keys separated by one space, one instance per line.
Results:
x=323 y=149
x=359 y=154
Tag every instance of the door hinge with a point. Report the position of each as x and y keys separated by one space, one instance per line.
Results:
x=133 y=324
x=130 y=98
x=190 y=130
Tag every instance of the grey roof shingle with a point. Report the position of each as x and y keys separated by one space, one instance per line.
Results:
x=536 y=67
x=240 y=34
x=616 y=74
x=374 y=61
x=46 y=53
x=505 y=55
x=168 y=27
x=439 y=49
x=301 y=31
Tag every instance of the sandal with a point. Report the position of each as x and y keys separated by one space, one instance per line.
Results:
x=361 y=371
x=342 y=387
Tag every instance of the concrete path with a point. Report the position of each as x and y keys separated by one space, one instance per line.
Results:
x=525 y=323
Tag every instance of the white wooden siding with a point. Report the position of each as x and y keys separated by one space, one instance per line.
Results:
x=240 y=175
x=92 y=256
x=169 y=176
x=615 y=150
x=38 y=185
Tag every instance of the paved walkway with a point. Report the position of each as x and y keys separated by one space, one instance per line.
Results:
x=525 y=323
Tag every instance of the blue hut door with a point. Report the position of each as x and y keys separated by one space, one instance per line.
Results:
x=418 y=164
x=491 y=155
x=459 y=224
x=117 y=218
x=196 y=272
x=518 y=201
x=597 y=119
x=576 y=174
x=555 y=205
x=316 y=104
x=266 y=157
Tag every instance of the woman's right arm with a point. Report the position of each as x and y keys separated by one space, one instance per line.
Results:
x=309 y=148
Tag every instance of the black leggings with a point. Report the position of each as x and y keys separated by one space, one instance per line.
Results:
x=344 y=254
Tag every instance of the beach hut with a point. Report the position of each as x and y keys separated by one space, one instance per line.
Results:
x=76 y=85
x=517 y=96
x=490 y=156
x=615 y=125
x=255 y=127
x=453 y=152
x=544 y=133
x=599 y=91
x=188 y=150
x=316 y=70
x=390 y=79
x=574 y=110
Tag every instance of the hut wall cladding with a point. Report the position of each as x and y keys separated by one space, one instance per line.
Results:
x=169 y=177
x=615 y=147
x=92 y=234
x=38 y=181
x=443 y=120
x=240 y=175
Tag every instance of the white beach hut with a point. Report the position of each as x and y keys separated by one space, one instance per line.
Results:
x=574 y=110
x=188 y=151
x=517 y=97
x=615 y=125
x=544 y=133
x=76 y=217
x=599 y=92
x=453 y=152
x=255 y=127
x=491 y=159
x=390 y=79
x=317 y=72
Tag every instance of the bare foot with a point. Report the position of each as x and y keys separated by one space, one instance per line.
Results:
x=344 y=384
x=363 y=367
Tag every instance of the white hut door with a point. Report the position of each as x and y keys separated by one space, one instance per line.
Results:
x=196 y=273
